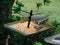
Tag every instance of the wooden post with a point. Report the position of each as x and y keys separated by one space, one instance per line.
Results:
x=29 y=18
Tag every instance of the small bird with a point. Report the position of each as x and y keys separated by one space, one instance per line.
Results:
x=39 y=19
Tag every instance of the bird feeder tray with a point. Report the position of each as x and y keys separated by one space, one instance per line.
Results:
x=22 y=27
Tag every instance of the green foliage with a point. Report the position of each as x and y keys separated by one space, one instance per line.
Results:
x=46 y=2
x=38 y=5
x=19 y=4
x=57 y=30
x=54 y=23
x=37 y=43
x=14 y=18
x=17 y=8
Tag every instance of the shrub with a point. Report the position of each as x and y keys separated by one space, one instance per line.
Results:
x=37 y=43
x=14 y=18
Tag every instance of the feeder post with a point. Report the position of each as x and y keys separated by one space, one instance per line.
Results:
x=29 y=18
